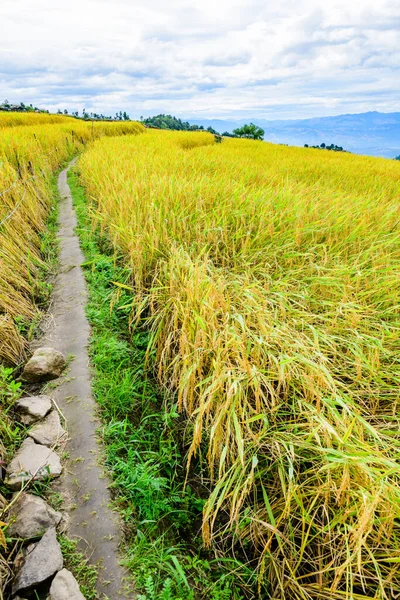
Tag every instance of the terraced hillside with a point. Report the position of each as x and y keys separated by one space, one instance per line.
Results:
x=268 y=279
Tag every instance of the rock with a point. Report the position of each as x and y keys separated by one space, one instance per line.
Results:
x=33 y=408
x=32 y=460
x=40 y=563
x=30 y=517
x=65 y=587
x=49 y=431
x=45 y=364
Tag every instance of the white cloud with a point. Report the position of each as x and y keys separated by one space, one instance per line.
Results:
x=232 y=58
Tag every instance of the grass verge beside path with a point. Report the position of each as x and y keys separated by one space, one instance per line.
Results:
x=144 y=446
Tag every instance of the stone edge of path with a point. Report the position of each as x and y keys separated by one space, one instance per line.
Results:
x=29 y=517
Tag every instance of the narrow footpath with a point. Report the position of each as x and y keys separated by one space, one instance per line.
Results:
x=84 y=484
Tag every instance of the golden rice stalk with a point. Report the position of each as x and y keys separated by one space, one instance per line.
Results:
x=268 y=277
x=32 y=147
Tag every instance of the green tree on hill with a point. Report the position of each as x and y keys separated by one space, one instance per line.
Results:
x=323 y=146
x=252 y=132
x=167 y=122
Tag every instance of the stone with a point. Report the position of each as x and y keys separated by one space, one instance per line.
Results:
x=41 y=562
x=45 y=364
x=32 y=408
x=32 y=460
x=65 y=587
x=49 y=431
x=31 y=517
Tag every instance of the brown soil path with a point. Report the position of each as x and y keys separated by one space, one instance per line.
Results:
x=84 y=484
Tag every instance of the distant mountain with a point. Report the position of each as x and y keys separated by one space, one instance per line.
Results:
x=372 y=133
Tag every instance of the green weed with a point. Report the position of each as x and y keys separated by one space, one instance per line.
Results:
x=85 y=574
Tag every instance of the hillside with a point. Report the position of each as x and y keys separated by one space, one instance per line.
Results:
x=265 y=278
x=242 y=298
x=371 y=133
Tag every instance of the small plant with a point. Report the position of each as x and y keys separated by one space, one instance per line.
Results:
x=10 y=391
x=85 y=574
x=153 y=592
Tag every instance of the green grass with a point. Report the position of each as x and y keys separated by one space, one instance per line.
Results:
x=10 y=430
x=145 y=447
x=77 y=563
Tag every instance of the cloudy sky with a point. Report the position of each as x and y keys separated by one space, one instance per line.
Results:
x=203 y=59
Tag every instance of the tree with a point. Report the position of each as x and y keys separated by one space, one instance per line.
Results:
x=169 y=122
x=397 y=157
x=251 y=132
x=323 y=146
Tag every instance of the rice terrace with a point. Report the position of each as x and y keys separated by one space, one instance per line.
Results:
x=243 y=299
x=199 y=300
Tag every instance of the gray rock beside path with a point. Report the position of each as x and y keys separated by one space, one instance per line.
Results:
x=32 y=408
x=32 y=460
x=30 y=517
x=65 y=587
x=49 y=431
x=45 y=364
x=42 y=561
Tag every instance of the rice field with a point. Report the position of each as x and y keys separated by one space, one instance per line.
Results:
x=17 y=119
x=269 y=279
x=32 y=148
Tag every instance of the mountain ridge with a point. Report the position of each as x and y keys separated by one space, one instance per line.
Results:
x=372 y=133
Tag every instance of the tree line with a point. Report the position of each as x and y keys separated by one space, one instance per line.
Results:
x=162 y=121
x=7 y=106
x=323 y=146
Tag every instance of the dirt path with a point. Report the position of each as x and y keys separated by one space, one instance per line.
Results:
x=84 y=484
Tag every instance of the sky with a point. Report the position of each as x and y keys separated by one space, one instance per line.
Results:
x=202 y=59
